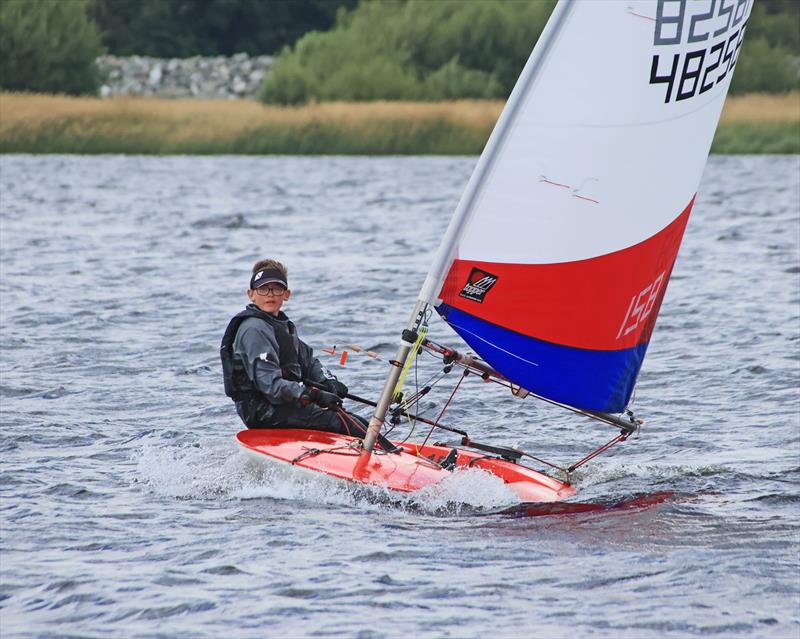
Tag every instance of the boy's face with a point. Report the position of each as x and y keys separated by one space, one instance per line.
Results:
x=270 y=297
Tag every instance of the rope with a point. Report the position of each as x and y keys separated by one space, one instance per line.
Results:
x=444 y=408
x=345 y=417
x=619 y=438
x=412 y=356
x=362 y=430
x=340 y=414
x=546 y=463
x=313 y=452
x=412 y=402
x=417 y=394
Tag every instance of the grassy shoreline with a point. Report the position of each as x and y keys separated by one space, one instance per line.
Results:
x=57 y=124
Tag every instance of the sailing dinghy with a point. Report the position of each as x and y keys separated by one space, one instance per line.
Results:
x=557 y=258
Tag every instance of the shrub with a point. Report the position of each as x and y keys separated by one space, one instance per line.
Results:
x=453 y=81
x=778 y=22
x=48 y=47
x=764 y=68
x=412 y=50
x=446 y=49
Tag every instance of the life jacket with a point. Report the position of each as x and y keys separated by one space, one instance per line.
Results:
x=238 y=385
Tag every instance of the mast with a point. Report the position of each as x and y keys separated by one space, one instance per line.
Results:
x=460 y=219
x=407 y=340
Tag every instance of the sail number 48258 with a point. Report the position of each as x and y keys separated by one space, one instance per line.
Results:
x=641 y=305
x=695 y=72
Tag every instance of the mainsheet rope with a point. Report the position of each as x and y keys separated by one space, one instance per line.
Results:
x=444 y=408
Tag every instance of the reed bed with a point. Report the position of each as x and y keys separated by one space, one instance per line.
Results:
x=762 y=108
x=57 y=124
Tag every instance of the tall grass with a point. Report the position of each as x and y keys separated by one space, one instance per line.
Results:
x=57 y=124
x=759 y=123
x=762 y=108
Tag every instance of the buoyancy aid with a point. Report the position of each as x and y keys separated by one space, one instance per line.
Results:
x=238 y=385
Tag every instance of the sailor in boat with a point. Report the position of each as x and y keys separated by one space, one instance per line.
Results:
x=270 y=373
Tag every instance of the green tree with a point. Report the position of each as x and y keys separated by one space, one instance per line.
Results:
x=414 y=50
x=445 y=49
x=764 y=68
x=48 y=46
x=181 y=28
x=778 y=23
x=770 y=57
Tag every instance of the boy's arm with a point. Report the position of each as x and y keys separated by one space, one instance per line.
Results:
x=316 y=372
x=313 y=367
x=255 y=344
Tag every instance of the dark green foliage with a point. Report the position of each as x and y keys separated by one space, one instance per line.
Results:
x=48 y=46
x=764 y=68
x=778 y=23
x=425 y=50
x=412 y=50
x=770 y=57
x=183 y=28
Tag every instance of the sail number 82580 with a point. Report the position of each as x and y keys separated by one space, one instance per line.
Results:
x=695 y=72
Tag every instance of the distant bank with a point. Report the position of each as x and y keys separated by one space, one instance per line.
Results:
x=54 y=124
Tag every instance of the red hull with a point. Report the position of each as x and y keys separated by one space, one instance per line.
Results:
x=411 y=470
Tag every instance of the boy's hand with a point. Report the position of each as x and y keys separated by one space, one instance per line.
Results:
x=320 y=398
x=335 y=386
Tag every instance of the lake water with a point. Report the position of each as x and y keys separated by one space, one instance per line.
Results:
x=127 y=510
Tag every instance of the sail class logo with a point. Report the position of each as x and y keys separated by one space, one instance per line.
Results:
x=478 y=285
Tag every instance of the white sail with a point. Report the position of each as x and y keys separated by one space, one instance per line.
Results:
x=558 y=256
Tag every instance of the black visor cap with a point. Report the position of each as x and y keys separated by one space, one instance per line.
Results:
x=267 y=276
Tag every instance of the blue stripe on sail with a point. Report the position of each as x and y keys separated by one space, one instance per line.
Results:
x=587 y=379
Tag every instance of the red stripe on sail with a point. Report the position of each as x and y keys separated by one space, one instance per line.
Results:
x=609 y=302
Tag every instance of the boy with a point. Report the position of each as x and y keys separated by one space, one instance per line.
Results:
x=265 y=365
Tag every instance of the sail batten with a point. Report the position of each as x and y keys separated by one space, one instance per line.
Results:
x=560 y=251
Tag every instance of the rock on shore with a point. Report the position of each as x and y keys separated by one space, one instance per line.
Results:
x=234 y=77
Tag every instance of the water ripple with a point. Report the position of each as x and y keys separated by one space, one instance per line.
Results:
x=128 y=511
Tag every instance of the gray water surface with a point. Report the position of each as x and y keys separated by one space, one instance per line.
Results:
x=127 y=510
